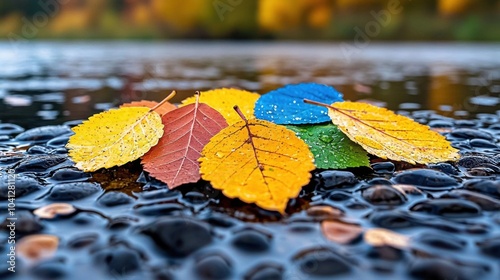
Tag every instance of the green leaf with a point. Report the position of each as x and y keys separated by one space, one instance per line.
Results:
x=331 y=148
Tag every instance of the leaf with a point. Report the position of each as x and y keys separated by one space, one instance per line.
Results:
x=258 y=162
x=114 y=137
x=187 y=130
x=37 y=247
x=284 y=105
x=224 y=99
x=384 y=237
x=162 y=110
x=330 y=147
x=340 y=232
x=385 y=134
x=53 y=210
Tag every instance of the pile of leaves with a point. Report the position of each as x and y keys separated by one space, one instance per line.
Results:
x=258 y=148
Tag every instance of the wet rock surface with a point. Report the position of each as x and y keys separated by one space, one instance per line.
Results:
x=126 y=225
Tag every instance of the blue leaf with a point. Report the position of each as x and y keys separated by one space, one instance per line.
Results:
x=285 y=105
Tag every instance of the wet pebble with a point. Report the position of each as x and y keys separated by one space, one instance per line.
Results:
x=68 y=174
x=119 y=260
x=339 y=196
x=24 y=185
x=386 y=252
x=485 y=202
x=251 y=240
x=491 y=246
x=426 y=179
x=481 y=143
x=73 y=191
x=266 y=271
x=10 y=129
x=453 y=208
x=484 y=186
x=441 y=241
x=445 y=168
x=179 y=236
x=58 y=142
x=468 y=133
x=383 y=195
x=213 y=266
x=50 y=269
x=383 y=167
x=392 y=219
x=337 y=179
x=38 y=150
x=474 y=161
x=43 y=134
x=435 y=269
x=25 y=224
x=83 y=240
x=113 y=198
x=440 y=124
x=42 y=163
x=322 y=262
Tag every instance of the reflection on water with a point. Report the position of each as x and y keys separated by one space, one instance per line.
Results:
x=49 y=83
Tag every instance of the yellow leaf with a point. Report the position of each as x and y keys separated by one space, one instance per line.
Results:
x=385 y=134
x=224 y=99
x=258 y=162
x=114 y=137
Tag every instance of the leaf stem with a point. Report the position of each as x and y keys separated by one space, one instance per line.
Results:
x=166 y=99
x=240 y=113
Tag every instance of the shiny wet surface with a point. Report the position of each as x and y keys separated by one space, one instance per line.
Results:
x=128 y=226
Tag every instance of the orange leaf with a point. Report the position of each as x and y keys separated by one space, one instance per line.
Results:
x=258 y=162
x=174 y=160
x=162 y=110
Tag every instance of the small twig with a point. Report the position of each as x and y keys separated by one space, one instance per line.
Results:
x=166 y=99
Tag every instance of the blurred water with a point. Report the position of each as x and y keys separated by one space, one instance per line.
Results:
x=51 y=82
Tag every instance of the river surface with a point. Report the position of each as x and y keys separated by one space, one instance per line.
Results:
x=44 y=83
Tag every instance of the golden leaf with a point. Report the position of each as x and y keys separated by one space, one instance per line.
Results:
x=224 y=99
x=114 y=137
x=387 y=135
x=258 y=162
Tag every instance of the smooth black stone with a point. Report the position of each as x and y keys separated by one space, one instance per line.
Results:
x=38 y=150
x=24 y=185
x=339 y=196
x=251 y=240
x=334 y=178
x=213 y=266
x=163 y=194
x=383 y=167
x=488 y=119
x=440 y=123
x=465 y=123
x=73 y=191
x=10 y=129
x=441 y=241
x=69 y=174
x=481 y=172
x=8 y=160
x=491 y=247
x=468 y=133
x=448 y=208
x=266 y=271
x=383 y=195
x=392 y=219
x=50 y=269
x=88 y=219
x=114 y=198
x=59 y=151
x=481 y=143
x=475 y=161
x=26 y=223
x=445 y=168
x=43 y=134
x=179 y=236
x=82 y=241
x=329 y=264
x=485 y=202
x=119 y=260
x=426 y=178
x=484 y=186
x=194 y=198
x=42 y=163
x=356 y=205
x=58 y=142
x=387 y=253
x=162 y=273
x=435 y=269
x=121 y=222
x=158 y=209
x=220 y=221
x=379 y=181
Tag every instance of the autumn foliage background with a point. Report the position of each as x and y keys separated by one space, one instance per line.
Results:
x=468 y=20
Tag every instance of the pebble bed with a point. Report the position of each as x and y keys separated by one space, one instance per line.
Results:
x=130 y=226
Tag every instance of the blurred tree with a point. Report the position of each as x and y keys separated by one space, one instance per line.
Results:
x=455 y=7
x=181 y=16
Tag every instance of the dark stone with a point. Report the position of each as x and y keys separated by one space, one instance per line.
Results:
x=322 y=262
x=379 y=181
x=465 y=123
x=383 y=195
x=119 y=260
x=448 y=207
x=435 y=269
x=440 y=123
x=339 y=196
x=8 y=160
x=251 y=240
x=445 y=168
x=10 y=129
x=41 y=163
x=442 y=241
x=426 y=179
x=383 y=167
x=468 y=133
x=73 y=191
x=179 y=236
x=491 y=246
x=120 y=223
x=164 y=194
x=220 y=221
x=69 y=174
x=481 y=172
x=38 y=150
x=24 y=185
x=481 y=143
x=392 y=219
x=26 y=223
x=484 y=186
x=157 y=209
x=387 y=253
x=474 y=161
x=485 y=202
x=266 y=271
x=82 y=241
x=162 y=273
x=43 y=134
x=50 y=269
x=58 y=142
x=113 y=198
x=334 y=178
x=194 y=198
x=213 y=266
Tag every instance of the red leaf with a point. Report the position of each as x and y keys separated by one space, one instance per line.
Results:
x=162 y=110
x=187 y=130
